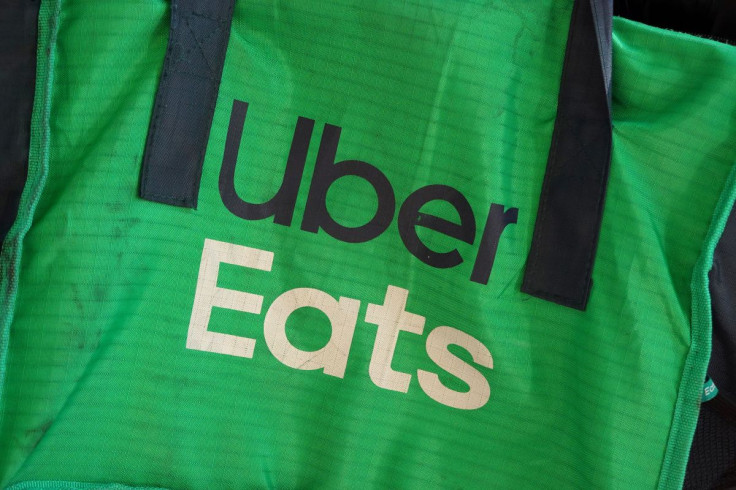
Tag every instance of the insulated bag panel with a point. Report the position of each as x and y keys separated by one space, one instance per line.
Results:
x=343 y=308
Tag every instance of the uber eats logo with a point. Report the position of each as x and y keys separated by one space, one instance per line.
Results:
x=391 y=317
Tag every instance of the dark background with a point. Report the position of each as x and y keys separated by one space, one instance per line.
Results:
x=714 y=19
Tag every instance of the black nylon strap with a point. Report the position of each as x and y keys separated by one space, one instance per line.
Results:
x=568 y=222
x=185 y=101
x=18 y=39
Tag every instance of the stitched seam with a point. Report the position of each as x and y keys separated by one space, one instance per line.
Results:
x=185 y=56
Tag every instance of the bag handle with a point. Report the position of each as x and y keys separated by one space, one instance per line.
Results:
x=560 y=262
x=185 y=101
x=571 y=204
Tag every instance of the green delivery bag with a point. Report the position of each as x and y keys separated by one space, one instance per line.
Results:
x=345 y=244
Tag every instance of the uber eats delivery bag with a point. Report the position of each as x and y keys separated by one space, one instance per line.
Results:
x=344 y=244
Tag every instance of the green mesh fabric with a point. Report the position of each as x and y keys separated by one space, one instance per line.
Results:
x=101 y=380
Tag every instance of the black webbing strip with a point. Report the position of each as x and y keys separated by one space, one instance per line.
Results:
x=185 y=101
x=568 y=222
x=18 y=39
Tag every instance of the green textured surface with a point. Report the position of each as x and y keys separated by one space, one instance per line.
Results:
x=99 y=386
